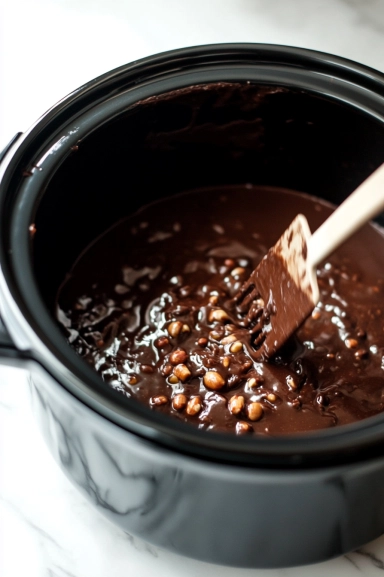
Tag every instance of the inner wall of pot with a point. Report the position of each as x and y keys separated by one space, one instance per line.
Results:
x=205 y=135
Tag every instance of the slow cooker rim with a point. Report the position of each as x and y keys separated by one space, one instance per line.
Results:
x=364 y=432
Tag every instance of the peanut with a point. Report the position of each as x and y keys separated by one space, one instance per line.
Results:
x=242 y=428
x=159 y=400
x=255 y=411
x=174 y=328
x=238 y=271
x=236 y=404
x=182 y=372
x=178 y=356
x=161 y=342
x=213 y=380
x=217 y=315
x=236 y=347
x=193 y=406
x=179 y=401
x=227 y=340
x=225 y=362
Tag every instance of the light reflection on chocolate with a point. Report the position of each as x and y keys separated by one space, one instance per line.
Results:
x=149 y=306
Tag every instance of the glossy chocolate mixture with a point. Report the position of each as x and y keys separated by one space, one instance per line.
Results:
x=149 y=305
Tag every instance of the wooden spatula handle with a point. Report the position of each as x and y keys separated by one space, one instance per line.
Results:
x=363 y=204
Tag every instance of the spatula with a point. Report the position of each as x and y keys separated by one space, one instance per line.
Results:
x=282 y=291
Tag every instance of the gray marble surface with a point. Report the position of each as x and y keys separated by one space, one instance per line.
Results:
x=47 y=49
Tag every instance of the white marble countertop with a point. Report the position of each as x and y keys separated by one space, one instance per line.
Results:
x=47 y=49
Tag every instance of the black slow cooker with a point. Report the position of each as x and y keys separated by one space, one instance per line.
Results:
x=248 y=502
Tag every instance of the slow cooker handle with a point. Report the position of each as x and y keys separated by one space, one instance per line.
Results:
x=8 y=351
x=9 y=355
x=5 y=339
x=9 y=145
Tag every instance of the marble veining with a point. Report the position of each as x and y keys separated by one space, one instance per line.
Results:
x=372 y=558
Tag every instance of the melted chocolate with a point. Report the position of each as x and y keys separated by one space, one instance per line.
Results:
x=149 y=305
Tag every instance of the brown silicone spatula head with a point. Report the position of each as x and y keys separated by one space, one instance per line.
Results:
x=281 y=292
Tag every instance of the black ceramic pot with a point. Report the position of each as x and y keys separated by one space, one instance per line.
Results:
x=292 y=118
